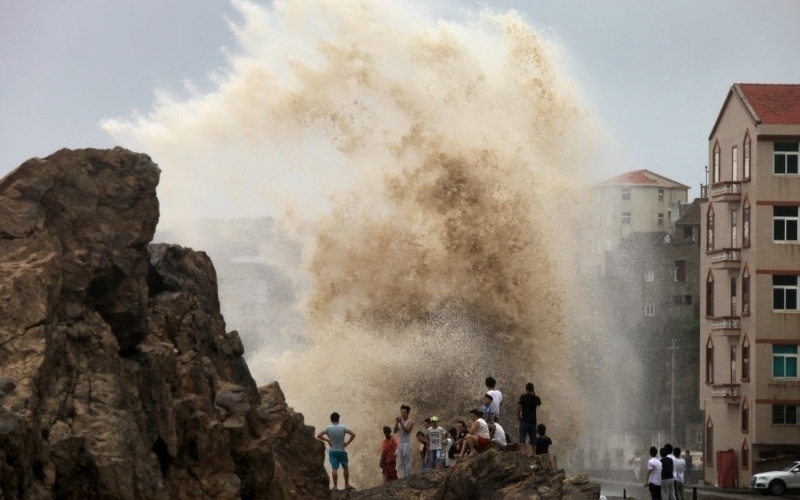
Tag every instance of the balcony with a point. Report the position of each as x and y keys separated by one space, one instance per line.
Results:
x=726 y=392
x=727 y=325
x=726 y=258
x=728 y=191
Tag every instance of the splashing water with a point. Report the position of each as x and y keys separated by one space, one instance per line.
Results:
x=431 y=167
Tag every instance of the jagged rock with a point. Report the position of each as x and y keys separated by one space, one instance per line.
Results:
x=117 y=378
x=490 y=475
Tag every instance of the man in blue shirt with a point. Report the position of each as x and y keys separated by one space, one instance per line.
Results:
x=334 y=436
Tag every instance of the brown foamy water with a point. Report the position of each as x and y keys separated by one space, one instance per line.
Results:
x=431 y=169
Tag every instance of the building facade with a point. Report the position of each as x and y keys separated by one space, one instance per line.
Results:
x=750 y=267
x=633 y=202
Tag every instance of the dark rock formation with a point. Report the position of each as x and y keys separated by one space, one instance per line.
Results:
x=490 y=475
x=117 y=378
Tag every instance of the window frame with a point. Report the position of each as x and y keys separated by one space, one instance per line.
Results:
x=709 y=361
x=746 y=224
x=710 y=295
x=734 y=163
x=649 y=310
x=679 y=273
x=787 y=222
x=785 y=358
x=746 y=292
x=661 y=194
x=626 y=219
x=788 y=292
x=710 y=228
x=660 y=220
x=649 y=273
x=786 y=153
x=745 y=416
x=782 y=412
x=626 y=194
x=716 y=173
x=746 y=360
x=746 y=157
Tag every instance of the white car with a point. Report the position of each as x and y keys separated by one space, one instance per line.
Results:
x=777 y=482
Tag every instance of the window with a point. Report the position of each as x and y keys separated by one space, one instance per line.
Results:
x=746 y=359
x=785 y=157
x=687 y=299
x=688 y=234
x=626 y=193
x=745 y=416
x=784 y=361
x=733 y=364
x=745 y=456
x=660 y=195
x=710 y=229
x=734 y=229
x=708 y=453
x=735 y=163
x=716 y=163
x=746 y=158
x=746 y=293
x=784 y=224
x=626 y=218
x=784 y=415
x=784 y=293
x=660 y=220
x=746 y=224
x=710 y=295
x=733 y=297
x=709 y=362
x=680 y=270
x=649 y=275
x=649 y=310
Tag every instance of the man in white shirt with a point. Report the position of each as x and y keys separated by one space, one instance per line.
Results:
x=498 y=435
x=654 y=475
x=680 y=471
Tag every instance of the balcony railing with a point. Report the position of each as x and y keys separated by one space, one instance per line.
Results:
x=726 y=258
x=729 y=392
x=728 y=325
x=727 y=191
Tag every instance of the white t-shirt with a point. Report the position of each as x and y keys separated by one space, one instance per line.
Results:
x=448 y=443
x=499 y=435
x=436 y=437
x=680 y=469
x=654 y=468
x=497 y=398
x=483 y=429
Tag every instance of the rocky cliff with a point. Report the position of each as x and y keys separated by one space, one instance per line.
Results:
x=117 y=377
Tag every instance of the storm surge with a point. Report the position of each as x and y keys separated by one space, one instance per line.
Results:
x=431 y=170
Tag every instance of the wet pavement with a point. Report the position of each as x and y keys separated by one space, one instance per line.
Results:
x=620 y=489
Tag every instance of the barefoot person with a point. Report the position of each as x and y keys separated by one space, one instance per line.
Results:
x=334 y=435
x=478 y=436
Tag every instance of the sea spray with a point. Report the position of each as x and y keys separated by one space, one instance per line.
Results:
x=432 y=170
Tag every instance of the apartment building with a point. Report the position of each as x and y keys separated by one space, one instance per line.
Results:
x=634 y=202
x=750 y=267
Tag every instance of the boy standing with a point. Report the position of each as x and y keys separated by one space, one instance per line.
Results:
x=436 y=436
x=497 y=397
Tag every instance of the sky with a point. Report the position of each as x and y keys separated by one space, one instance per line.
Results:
x=655 y=74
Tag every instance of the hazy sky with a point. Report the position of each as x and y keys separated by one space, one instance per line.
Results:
x=654 y=72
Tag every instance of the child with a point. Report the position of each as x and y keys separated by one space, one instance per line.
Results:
x=423 y=450
x=388 y=461
x=487 y=410
x=450 y=448
x=543 y=446
x=436 y=437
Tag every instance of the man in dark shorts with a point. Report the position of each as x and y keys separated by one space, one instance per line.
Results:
x=334 y=435
x=526 y=414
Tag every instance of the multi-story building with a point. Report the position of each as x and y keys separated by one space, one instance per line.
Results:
x=750 y=267
x=633 y=202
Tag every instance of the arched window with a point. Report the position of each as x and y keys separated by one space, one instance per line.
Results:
x=710 y=228
x=715 y=172
x=745 y=416
x=746 y=223
x=745 y=455
x=746 y=158
x=710 y=295
x=709 y=361
x=745 y=291
x=735 y=163
x=745 y=359
x=708 y=453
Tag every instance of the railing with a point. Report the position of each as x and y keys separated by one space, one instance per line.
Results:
x=726 y=323
x=725 y=391
x=725 y=188
x=726 y=255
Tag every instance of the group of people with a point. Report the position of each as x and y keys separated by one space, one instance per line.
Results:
x=666 y=476
x=440 y=447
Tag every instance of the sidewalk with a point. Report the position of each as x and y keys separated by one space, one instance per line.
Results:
x=614 y=489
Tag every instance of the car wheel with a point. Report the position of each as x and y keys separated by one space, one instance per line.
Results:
x=777 y=487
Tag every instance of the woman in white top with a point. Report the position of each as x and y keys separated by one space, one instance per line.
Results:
x=478 y=436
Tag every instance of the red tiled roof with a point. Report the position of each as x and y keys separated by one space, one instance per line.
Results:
x=641 y=177
x=774 y=104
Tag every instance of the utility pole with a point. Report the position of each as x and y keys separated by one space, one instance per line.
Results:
x=673 y=348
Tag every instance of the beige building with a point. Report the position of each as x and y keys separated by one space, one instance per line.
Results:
x=634 y=202
x=750 y=267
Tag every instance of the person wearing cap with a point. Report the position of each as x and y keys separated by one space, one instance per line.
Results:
x=436 y=436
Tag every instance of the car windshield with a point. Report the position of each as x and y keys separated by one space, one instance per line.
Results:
x=789 y=467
